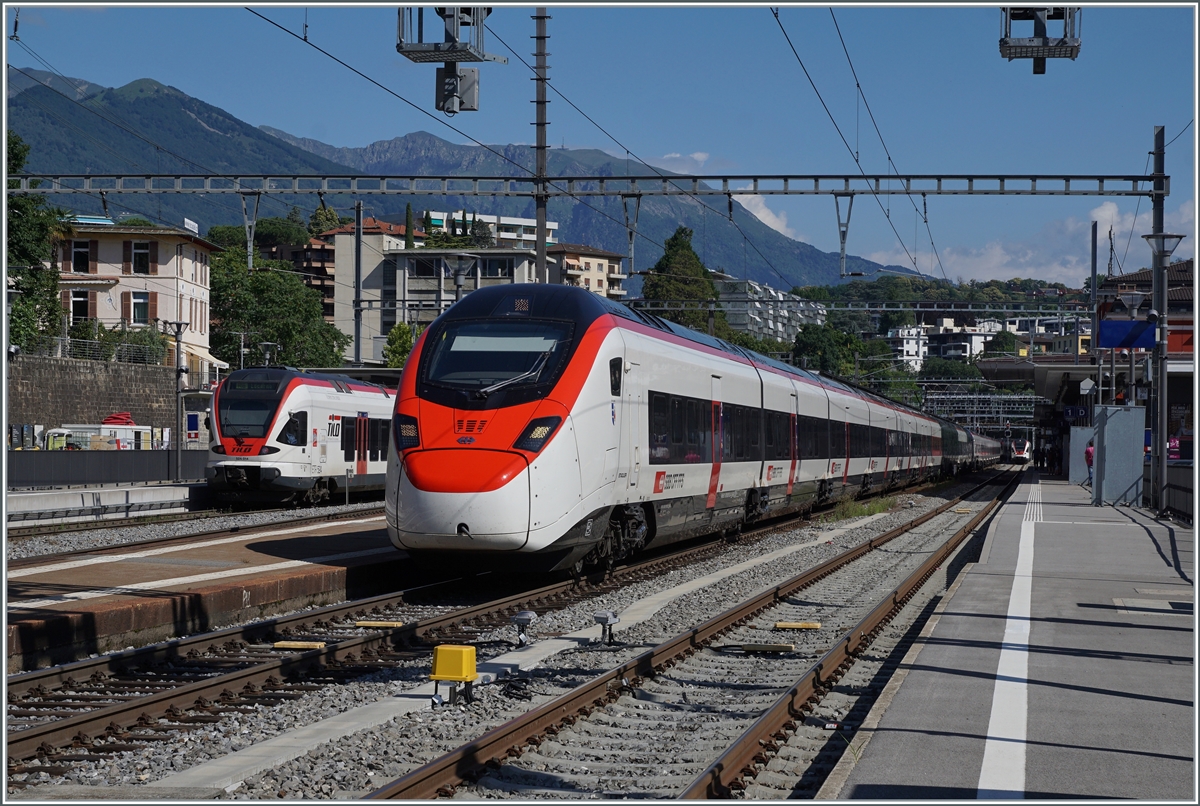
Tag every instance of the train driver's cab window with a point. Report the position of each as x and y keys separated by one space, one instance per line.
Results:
x=295 y=431
x=614 y=376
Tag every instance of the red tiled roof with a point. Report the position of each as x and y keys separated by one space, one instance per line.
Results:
x=374 y=225
x=581 y=249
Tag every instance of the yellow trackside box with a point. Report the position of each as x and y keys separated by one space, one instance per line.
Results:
x=456 y=663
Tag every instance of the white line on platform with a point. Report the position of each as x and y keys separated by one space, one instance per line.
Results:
x=115 y=558
x=1002 y=775
x=167 y=583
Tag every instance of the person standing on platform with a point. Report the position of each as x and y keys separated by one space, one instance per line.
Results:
x=1088 y=453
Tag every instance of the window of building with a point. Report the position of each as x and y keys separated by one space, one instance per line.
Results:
x=587 y=266
x=587 y=282
x=80 y=257
x=141 y=303
x=79 y=305
x=141 y=257
x=599 y=283
x=497 y=267
x=423 y=267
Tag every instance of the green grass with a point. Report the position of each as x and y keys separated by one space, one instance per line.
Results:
x=846 y=510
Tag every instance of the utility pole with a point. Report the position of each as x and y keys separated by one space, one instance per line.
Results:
x=358 y=226
x=180 y=371
x=1158 y=274
x=242 y=334
x=540 y=16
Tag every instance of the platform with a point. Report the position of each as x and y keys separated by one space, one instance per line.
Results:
x=1060 y=665
x=83 y=504
x=65 y=610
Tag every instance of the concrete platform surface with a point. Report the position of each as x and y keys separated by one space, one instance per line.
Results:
x=65 y=610
x=1062 y=666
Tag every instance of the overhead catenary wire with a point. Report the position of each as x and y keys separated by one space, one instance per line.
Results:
x=629 y=152
x=443 y=122
x=860 y=94
x=775 y=12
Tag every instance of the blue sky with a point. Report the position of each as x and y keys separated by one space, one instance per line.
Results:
x=718 y=90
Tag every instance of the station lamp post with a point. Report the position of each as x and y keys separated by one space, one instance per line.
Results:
x=1162 y=245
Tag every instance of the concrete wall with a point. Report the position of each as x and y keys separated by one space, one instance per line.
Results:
x=54 y=391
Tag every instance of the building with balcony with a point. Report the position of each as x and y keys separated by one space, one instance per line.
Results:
x=132 y=277
x=764 y=312
x=510 y=232
x=314 y=262
x=597 y=270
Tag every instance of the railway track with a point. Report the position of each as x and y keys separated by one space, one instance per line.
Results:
x=108 y=704
x=716 y=711
x=93 y=709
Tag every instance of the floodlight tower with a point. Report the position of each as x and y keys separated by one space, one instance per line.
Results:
x=457 y=88
x=1041 y=46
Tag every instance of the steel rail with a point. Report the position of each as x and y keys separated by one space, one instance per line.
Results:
x=460 y=765
x=721 y=777
x=26 y=742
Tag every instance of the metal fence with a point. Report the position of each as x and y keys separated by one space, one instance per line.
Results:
x=62 y=347
x=62 y=468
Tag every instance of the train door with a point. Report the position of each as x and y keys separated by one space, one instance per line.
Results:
x=631 y=419
x=795 y=447
x=361 y=444
x=717 y=438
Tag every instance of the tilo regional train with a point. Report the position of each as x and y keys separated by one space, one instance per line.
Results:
x=280 y=435
x=543 y=427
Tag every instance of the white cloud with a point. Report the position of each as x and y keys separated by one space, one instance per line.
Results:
x=1060 y=252
x=757 y=205
x=681 y=163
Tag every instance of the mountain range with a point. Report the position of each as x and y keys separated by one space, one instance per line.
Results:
x=76 y=126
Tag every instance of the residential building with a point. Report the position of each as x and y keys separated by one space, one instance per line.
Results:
x=314 y=261
x=510 y=232
x=764 y=312
x=588 y=267
x=135 y=277
x=946 y=340
x=415 y=286
x=910 y=345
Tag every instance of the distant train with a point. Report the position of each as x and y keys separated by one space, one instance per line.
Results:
x=284 y=436
x=1017 y=450
x=544 y=427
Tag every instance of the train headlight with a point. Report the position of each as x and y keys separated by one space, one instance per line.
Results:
x=537 y=433
x=265 y=449
x=407 y=435
x=217 y=449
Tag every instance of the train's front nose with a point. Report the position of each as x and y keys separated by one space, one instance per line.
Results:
x=462 y=499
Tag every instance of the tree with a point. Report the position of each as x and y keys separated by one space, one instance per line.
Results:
x=1002 y=342
x=679 y=275
x=399 y=345
x=137 y=221
x=826 y=348
x=36 y=309
x=323 y=219
x=268 y=233
x=272 y=302
x=427 y=224
x=408 y=227
x=481 y=234
x=295 y=216
x=948 y=368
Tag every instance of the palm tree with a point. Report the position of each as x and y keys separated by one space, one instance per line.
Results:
x=61 y=230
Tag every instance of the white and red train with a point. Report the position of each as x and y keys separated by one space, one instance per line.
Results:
x=280 y=435
x=546 y=427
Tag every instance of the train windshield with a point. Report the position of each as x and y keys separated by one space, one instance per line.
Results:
x=247 y=412
x=485 y=356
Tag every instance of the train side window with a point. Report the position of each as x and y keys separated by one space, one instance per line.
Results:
x=676 y=420
x=727 y=436
x=296 y=429
x=349 y=437
x=373 y=441
x=754 y=429
x=660 y=444
x=614 y=376
x=695 y=436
